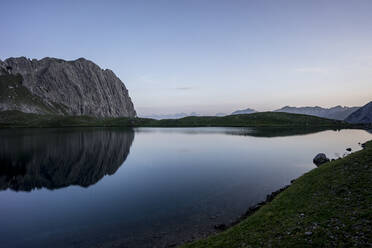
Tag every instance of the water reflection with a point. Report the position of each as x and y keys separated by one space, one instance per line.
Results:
x=56 y=158
x=240 y=131
x=176 y=185
x=277 y=132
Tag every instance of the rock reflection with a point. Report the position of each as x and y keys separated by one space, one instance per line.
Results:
x=52 y=158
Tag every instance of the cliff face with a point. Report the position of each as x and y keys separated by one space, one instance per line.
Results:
x=56 y=86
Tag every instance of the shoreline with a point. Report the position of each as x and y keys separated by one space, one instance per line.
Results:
x=224 y=237
x=16 y=119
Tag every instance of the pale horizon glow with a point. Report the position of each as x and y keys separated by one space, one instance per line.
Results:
x=207 y=56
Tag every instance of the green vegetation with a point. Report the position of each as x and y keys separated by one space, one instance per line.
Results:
x=18 y=119
x=330 y=206
x=264 y=119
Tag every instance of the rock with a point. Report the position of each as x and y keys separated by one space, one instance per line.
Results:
x=220 y=227
x=348 y=149
x=56 y=86
x=320 y=159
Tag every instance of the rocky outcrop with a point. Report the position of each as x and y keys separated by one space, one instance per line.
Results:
x=53 y=158
x=320 y=159
x=361 y=116
x=77 y=87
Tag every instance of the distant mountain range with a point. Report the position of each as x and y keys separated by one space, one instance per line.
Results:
x=337 y=112
x=169 y=116
x=349 y=114
x=244 y=111
x=362 y=115
x=177 y=115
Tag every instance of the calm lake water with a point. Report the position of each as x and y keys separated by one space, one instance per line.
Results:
x=148 y=186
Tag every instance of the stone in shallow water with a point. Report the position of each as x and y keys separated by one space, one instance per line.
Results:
x=320 y=159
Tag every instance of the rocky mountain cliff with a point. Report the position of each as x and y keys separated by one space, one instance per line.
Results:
x=56 y=86
x=337 y=112
x=362 y=115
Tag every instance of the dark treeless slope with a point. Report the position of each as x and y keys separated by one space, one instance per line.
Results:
x=362 y=116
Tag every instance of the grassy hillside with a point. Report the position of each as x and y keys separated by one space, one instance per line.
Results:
x=330 y=206
x=262 y=119
x=19 y=119
x=266 y=119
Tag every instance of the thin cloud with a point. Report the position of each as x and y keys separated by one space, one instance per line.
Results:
x=311 y=69
x=183 y=88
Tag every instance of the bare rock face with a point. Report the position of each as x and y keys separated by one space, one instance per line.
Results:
x=77 y=87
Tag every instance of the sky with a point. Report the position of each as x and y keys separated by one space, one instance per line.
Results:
x=207 y=56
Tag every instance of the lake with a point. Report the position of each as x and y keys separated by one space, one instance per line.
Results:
x=145 y=187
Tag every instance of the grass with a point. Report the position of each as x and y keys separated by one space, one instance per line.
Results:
x=330 y=206
x=16 y=119
x=264 y=119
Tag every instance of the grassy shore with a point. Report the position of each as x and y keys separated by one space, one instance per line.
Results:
x=264 y=119
x=330 y=206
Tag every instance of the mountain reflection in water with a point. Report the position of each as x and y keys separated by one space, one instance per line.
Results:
x=177 y=184
x=55 y=158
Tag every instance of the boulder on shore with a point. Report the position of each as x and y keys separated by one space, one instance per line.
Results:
x=320 y=159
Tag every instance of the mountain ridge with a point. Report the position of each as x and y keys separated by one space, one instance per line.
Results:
x=338 y=112
x=362 y=115
x=244 y=111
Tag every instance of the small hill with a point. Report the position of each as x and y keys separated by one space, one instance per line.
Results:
x=361 y=116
